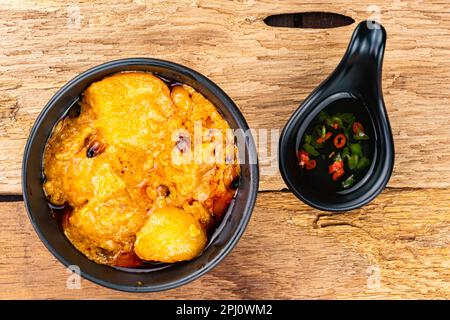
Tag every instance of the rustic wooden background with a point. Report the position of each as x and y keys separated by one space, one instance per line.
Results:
x=396 y=247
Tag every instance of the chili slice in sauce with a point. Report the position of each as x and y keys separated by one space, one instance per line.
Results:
x=303 y=158
x=357 y=127
x=321 y=140
x=311 y=164
x=338 y=174
x=339 y=141
x=345 y=152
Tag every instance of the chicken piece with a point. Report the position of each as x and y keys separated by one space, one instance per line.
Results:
x=129 y=107
x=103 y=230
x=170 y=235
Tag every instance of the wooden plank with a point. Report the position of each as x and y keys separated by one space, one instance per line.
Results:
x=391 y=248
x=267 y=71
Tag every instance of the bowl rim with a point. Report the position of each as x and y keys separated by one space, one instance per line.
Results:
x=218 y=93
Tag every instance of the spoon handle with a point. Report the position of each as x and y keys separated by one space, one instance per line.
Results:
x=361 y=65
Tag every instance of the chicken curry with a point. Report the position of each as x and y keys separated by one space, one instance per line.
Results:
x=125 y=167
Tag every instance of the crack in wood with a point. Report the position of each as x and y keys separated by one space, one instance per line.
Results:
x=11 y=198
x=310 y=20
x=334 y=221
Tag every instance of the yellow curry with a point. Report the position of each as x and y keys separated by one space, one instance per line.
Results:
x=125 y=168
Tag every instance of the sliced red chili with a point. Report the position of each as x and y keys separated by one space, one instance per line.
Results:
x=321 y=140
x=311 y=164
x=357 y=127
x=303 y=158
x=339 y=141
x=335 y=166
x=339 y=173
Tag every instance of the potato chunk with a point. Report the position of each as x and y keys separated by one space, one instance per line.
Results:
x=170 y=235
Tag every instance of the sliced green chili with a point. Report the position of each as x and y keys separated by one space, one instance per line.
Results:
x=324 y=131
x=332 y=120
x=348 y=182
x=363 y=162
x=307 y=138
x=353 y=161
x=356 y=149
x=348 y=118
x=311 y=150
x=345 y=152
x=350 y=154
x=360 y=137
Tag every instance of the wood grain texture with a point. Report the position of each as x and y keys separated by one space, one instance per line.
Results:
x=288 y=251
x=267 y=71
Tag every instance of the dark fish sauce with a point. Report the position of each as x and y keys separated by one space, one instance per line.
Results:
x=354 y=168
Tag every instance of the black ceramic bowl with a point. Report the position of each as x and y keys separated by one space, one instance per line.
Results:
x=354 y=86
x=165 y=277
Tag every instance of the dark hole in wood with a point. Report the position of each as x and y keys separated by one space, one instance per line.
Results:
x=10 y=198
x=315 y=20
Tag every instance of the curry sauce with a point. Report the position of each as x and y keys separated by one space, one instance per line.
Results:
x=125 y=167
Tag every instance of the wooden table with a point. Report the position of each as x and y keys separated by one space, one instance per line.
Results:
x=396 y=247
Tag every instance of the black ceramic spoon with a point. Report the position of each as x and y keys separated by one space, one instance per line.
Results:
x=356 y=81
